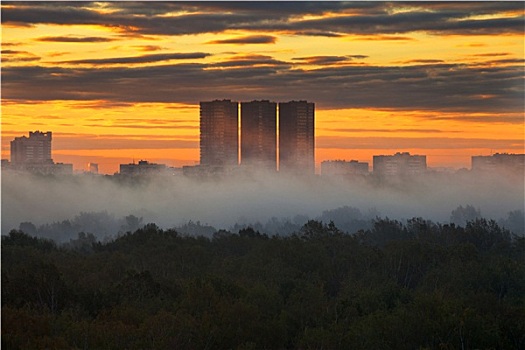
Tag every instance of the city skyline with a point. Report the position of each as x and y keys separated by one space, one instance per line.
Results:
x=120 y=81
x=33 y=153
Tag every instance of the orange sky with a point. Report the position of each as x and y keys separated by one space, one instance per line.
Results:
x=117 y=82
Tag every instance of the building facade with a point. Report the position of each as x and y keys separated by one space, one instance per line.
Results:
x=297 y=137
x=219 y=137
x=32 y=150
x=259 y=134
x=343 y=168
x=399 y=164
x=142 y=168
x=499 y=163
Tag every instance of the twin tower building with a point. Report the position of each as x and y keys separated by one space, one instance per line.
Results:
x=219 y=135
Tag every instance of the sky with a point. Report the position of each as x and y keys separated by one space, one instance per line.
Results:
x=118 y=82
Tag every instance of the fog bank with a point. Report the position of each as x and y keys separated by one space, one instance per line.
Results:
x=250 y=198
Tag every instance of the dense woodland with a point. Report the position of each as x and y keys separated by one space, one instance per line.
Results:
x=413 y=285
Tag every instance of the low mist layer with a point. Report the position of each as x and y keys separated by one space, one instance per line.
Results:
x=256 y=199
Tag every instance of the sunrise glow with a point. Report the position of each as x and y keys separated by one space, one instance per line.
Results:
x=122 y=81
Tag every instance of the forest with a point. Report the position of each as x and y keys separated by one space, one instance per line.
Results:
x=395 y=285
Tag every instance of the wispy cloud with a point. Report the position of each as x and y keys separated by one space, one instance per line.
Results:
x=328 y=60
x=353 y=142
x=81 y=142
x=361 y=130
x=18 y=56
x=423 y=61
x=491 y=54
x=75 y=39
x=141 y=59
x=250 y=39
x=149 y=48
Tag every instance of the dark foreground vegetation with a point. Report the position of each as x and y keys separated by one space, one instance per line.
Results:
x=417 y=285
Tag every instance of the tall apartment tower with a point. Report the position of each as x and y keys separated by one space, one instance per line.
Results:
x=35 y=149
x=296 y=137
x=219 y=138
x=259 y=134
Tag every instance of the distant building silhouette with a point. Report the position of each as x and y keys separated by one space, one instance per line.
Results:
x=342 y=167
x=32 y=150
x=259 y=134
x=499 y=162
x=33 y=154
x=296 y=137
x=142 y=168
x=399 y=164
x=219 y=140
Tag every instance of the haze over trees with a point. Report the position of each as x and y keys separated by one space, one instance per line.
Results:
x=394 y=285
x=59 y=207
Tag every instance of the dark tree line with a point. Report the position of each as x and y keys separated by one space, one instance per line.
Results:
x=413 y=285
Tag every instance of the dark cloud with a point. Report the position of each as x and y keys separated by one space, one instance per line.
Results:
x=18 y=56
x=75 y=39
x=280 y=9
x=141 y=59
x=509 y=61
x=58 y=54
x=251 y=39
x=149 y=48
x=322 y=60
x=424 y=61
x=365 y=18
x=446 y=87
x=319 y=33
x=251 y=61
x=491 y=54
x=328 y=60
x=6 y=44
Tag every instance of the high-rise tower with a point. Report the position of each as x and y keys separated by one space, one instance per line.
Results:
x=259 y=134
x=35 y=149
x=296 y=137
x=219 y=140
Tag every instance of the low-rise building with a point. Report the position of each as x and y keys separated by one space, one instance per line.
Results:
x=399 y=164
x=499 y=163
x=142 y=168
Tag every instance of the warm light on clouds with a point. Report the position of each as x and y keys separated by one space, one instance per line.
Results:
x=122 y=80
